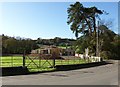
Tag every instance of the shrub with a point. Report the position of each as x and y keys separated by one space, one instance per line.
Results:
x=105 y=54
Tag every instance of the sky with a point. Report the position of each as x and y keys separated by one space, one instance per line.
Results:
x=45 y=19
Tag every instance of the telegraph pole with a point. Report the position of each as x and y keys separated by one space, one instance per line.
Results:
x=97 y=41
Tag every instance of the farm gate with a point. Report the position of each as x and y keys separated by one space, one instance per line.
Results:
x=39 y=62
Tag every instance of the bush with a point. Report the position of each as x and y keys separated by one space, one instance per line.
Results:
x=105 y=54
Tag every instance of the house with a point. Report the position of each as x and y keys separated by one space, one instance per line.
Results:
x=52 y=50
x=68 y=52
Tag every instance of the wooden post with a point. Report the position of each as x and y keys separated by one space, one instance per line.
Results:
x=53 y=55
x=24 y=59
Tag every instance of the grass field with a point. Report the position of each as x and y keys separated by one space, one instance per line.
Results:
x=36 y=64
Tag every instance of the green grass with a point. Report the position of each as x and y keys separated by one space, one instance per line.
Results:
x=11 y=61
x=38 y=65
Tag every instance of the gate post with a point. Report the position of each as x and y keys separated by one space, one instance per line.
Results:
x=53 y=55
x=24 y=59
x=54 y=62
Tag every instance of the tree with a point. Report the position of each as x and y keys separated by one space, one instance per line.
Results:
x=82 y=19
x=12 y=45
x=57 y=40
x=106 y=37
x=109 y=43
x=116 y=47
x=108 y=23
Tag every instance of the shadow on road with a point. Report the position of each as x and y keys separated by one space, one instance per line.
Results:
x=11 y=71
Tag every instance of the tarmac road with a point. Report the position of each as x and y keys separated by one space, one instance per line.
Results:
x=100 y=75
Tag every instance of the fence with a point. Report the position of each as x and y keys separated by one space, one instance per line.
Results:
x=43 y=62
x=39 y=62
x=11 y=60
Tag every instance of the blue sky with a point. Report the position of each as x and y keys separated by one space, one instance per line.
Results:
x=45 y=19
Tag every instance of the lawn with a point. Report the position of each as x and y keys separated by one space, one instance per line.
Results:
x=37 y=64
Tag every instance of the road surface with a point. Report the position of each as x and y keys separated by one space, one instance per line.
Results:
x=100 y=75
